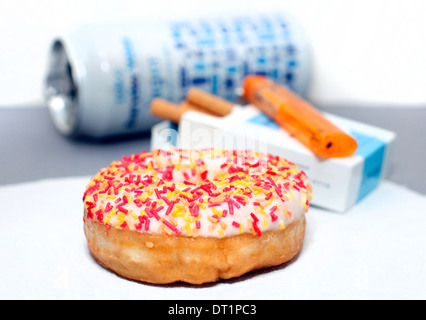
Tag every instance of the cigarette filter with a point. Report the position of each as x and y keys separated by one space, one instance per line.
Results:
x=210 y=102
x=298 y=117
x=173 y=112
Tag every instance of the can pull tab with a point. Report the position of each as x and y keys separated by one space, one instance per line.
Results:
x=298 y=117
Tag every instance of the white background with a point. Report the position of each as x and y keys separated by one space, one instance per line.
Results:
x=366 y=53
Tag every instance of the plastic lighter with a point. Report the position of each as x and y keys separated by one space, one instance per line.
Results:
x=298 y=117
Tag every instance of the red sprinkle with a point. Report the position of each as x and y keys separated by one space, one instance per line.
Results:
x=124 y=210
x=167 y=201
x=170 y=208
x=108 y=207
x=171 y=227
x=203 y=175
x=256 y=228
x=254 y=217
x=214 y=204
x=157 y=193
x=195 y=211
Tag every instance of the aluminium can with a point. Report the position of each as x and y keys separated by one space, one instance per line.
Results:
x=101 y=78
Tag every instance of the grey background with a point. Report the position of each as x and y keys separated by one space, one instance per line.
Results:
x=31 y=148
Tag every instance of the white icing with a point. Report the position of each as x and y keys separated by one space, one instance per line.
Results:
x=291 y=207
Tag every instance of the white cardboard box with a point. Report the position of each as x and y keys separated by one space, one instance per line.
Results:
x=338 y=183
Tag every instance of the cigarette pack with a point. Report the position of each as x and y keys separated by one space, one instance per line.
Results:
x=338 y=183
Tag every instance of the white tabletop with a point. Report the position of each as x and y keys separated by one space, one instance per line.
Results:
x=374 y=251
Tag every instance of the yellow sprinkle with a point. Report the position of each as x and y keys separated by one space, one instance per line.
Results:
x=178 y=212
x=120 y=218
x=265 y=223
x=220 y=232
x=159 y=202
x=111 y=197
x=134 y=215
x=216 y=212
x=282 y=226
x=241 y=228
x=143 y=213
x=188 y=229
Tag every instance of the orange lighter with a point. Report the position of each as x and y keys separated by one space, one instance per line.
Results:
x=298 y=117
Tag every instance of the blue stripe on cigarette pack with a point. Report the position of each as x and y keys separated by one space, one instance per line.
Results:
x=264 y=120
x=373 y=152
x=371 y=149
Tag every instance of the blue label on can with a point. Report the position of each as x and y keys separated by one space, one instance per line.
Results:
x=213 y=55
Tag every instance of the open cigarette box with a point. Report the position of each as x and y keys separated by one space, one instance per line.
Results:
x=338 y=183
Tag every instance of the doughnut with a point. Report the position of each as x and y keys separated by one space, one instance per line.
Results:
x=195 y=216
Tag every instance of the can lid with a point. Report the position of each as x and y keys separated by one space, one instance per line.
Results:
x=61 y=92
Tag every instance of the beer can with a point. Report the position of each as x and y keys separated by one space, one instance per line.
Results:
x=101 y=78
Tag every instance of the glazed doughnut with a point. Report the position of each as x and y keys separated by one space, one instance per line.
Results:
x=195 y=215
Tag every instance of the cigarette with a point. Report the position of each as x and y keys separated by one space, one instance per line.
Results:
x=167 y=110
x=210 y=102
x=173 y=112
x=188 y=106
